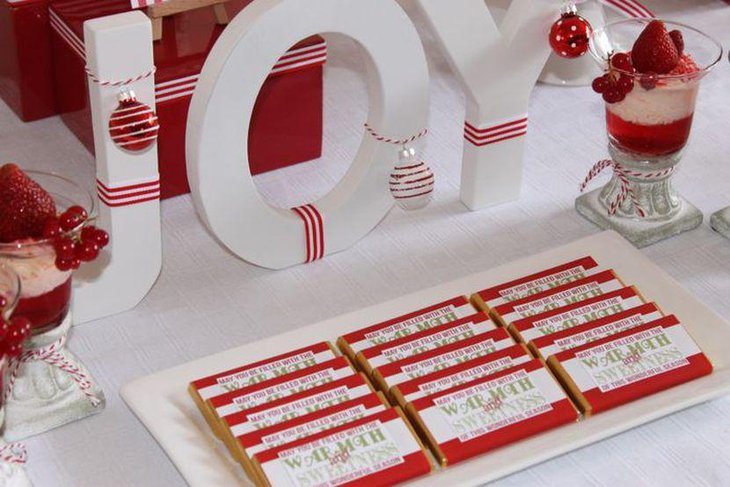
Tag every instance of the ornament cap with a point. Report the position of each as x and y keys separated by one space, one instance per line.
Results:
x=127 y=95
x=568 y=9
x=407 y=154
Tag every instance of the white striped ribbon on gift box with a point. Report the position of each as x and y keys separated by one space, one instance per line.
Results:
x=293 y=60
x=629 y=8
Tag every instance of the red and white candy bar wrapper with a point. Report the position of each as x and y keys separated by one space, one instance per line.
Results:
x=311 y=424
x=203 y=389
x=493 y=411
x=461 y=373
x=422 y=319
x=423 y=341
x=297 y=405
x=630 y=365
x=380 y=449
x=535 y=283
x=580 y=290
x=575 y=314
x=594 y=330
x=426 y=363
x=287 y=385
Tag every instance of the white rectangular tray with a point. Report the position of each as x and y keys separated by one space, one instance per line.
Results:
x=162 y=403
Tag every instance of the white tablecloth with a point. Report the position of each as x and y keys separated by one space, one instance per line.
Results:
x=207 y=300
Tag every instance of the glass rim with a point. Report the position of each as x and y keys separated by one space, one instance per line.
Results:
x=703 y=70
x=91 y=211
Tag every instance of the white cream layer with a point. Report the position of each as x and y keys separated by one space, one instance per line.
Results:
x=664 y=104
x=37 y=271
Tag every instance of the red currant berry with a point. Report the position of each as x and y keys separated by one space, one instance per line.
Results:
x=23 y=325
x=4 y=329
x=612 y=95
x=622 y=62
x=70 y=220
x=64 y=247
x=13 y=349
x=79 y=210
x=51 y=228
x=75 y=263
x=63 y=265
x=648 y=81
x=101 y=238
x=625 y=84
x=87 y=250
x=88 y=233
x=600 y=84
x=3 y=303
x=15 y=335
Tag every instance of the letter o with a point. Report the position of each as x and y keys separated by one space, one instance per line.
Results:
x=220 y=112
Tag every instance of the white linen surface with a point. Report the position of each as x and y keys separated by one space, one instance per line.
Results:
x=206 y=300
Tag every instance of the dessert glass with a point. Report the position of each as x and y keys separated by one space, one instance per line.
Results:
x=11 y=464
x=45 y=396
x=720 y=221
x=647 y=134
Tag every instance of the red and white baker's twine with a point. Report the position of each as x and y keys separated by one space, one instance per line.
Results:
x=54 y=356
x=14 y=453
x=313 y=231
x=623 y=175
x=121 y=82
x=390 y=140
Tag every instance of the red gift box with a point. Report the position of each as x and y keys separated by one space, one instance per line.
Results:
x=286 y=125
x=25 y=58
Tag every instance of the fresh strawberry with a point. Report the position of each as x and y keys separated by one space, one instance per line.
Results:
x=654 y=50
x=24 y=205
x=678 y=40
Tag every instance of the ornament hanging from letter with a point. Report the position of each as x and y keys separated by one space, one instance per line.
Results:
x=133 y=126
x=569 y=34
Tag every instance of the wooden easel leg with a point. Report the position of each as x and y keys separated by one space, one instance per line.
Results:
x=221 y=14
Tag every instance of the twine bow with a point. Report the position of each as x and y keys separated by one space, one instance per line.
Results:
x=14 y=453
x=54 y=356
x=623 y=174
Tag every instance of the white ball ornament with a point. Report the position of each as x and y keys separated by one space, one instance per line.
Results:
x=411 y=182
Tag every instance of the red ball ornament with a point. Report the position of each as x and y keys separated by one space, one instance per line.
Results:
x=569 y=34
x=133 y=126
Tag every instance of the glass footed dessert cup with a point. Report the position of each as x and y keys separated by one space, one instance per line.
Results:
x=647 y=135
x=720 y=220
x=51 y=387
x=12 y=456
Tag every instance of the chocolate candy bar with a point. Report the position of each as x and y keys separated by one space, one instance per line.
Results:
x=203 y=389
x=458 y=374
x=575 y=314
x=493 y=411
x=424 y=341
x=553 y=343
x=580 y=290
x=630 y=365
x=380 y=449
x=535 y=283
x=434 y=315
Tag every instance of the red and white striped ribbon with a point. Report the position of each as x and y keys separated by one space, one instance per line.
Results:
x=497 y=131
x=54 y=356
x=629 y=8
x=623 y=175
x=14 y=453
x=127 y=194
x=313 y=231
